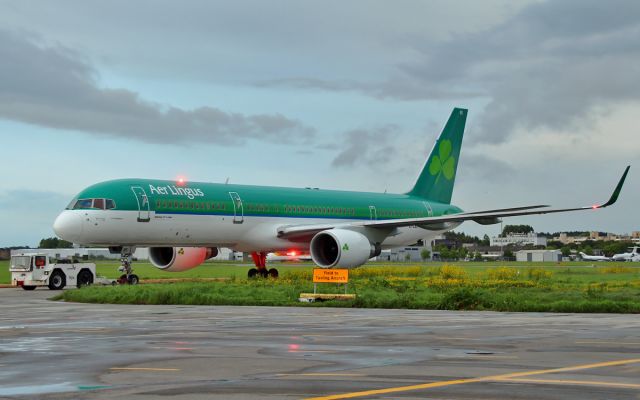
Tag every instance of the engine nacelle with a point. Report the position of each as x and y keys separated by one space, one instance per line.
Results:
x=341 y=248
x=177 y=259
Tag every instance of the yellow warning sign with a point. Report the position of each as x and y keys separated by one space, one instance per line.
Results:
x=321 y=275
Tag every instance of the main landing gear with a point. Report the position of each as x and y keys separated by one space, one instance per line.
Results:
x=261 y=271
x=128 y=277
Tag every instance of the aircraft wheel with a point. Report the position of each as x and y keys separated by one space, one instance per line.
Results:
x=252 y=273
x=263 y=273
x=273 y=273
x=29 y=287
x=133 y=279
x=123 y=279
x=57 y=281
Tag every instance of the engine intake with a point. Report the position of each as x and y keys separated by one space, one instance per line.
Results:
x=342 y=248
x=177 y=259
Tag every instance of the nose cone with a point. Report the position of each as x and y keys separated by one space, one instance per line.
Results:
x=68 y=226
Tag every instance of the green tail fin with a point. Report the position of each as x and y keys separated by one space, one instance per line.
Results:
x=435 y=182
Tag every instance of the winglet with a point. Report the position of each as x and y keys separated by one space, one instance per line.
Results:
x=616 y=191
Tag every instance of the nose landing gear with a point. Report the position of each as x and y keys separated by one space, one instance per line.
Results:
x=261 y=271
x=126 y=257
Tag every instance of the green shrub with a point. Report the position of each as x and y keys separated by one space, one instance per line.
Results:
x=452 y=272
x=463 y=298
x=538 y=274
x=503 y=274
x=616 y=270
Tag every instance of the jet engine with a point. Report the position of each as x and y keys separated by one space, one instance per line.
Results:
x=342 y=248
x=177 y=259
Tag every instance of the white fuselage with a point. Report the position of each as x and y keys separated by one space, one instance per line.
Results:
x=586 y=257
x=633 y=255
x=116 y=228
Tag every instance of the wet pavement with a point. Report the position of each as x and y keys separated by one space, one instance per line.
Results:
x=53 y=350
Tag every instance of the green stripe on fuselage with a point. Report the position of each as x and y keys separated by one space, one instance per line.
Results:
x=269 y=201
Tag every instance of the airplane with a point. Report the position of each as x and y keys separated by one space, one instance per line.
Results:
x=586 y=257
x=633 y=255
x=184 y=223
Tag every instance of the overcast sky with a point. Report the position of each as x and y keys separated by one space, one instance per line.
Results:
x=331 y=94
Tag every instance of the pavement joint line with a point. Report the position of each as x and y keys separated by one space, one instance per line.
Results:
x=143 y=369
x=474 y=380
x=312 y=351
x=572 y=382
x=321 y=374
x=489 y=356
x=333 y=336
x=605 y=342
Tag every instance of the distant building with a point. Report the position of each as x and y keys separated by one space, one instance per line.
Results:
x=80 y=253
x=142 y=253
x=409 y=253
x=595 y=236
x=539 y=255
x=519 y=239
x=566 y=239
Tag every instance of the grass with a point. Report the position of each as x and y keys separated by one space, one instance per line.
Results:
x=568 y=287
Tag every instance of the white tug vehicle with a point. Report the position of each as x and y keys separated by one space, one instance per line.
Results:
x=30 y=270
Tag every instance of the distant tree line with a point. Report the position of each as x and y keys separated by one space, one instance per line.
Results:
x=609 y=248
x=5 y=252
x=522 y=229
x=54 y=243
x=462 y=237
x=569 y=233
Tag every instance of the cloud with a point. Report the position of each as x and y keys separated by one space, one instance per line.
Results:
x=549 y=65
x=362 y=146
x=399 y=87
x=485 y=169
x=56 y=87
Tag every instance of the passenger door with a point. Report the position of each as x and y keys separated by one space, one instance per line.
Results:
x=427 y=205
x=373 y=214
x=144 y=210
x=238 y=210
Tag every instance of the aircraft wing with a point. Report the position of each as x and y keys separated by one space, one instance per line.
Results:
x=304 y=232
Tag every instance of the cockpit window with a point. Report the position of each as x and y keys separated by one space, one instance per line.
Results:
x=99 y=204
x=83 y=203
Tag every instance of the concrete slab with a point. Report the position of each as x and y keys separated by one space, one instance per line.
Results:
x=51 y=350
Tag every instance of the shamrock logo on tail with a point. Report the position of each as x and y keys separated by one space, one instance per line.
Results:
x=443 y=163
